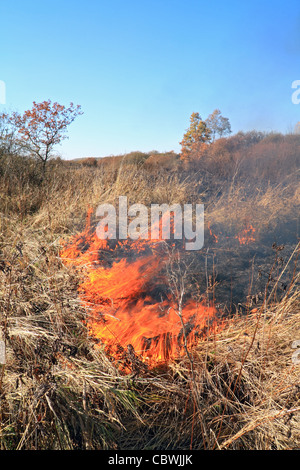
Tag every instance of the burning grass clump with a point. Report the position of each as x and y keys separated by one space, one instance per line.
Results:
x=129 y=299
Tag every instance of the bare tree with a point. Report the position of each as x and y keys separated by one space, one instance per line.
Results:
x=9 y=142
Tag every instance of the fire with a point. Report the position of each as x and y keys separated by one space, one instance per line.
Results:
x=246 y=236
x=125 y=292
x=212 y=234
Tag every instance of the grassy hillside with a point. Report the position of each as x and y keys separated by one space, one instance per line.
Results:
x=235 y=389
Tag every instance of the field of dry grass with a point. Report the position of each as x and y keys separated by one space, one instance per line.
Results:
x=236 y=389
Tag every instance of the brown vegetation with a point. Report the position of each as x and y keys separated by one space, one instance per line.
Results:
x=238 y=389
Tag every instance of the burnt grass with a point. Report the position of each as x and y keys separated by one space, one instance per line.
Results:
x=239 y=277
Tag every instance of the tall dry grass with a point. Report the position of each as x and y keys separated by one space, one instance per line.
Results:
x=60 y=392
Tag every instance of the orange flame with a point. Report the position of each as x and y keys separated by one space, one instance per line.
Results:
x=125 y=292
x=246 y=236
x=212 y=234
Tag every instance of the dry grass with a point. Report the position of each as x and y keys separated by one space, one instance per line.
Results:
x=60 y=392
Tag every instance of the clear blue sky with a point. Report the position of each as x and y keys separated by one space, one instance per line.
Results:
x=139 y=68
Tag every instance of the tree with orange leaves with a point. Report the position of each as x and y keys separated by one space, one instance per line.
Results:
x=44 y=126
x=197 y=133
